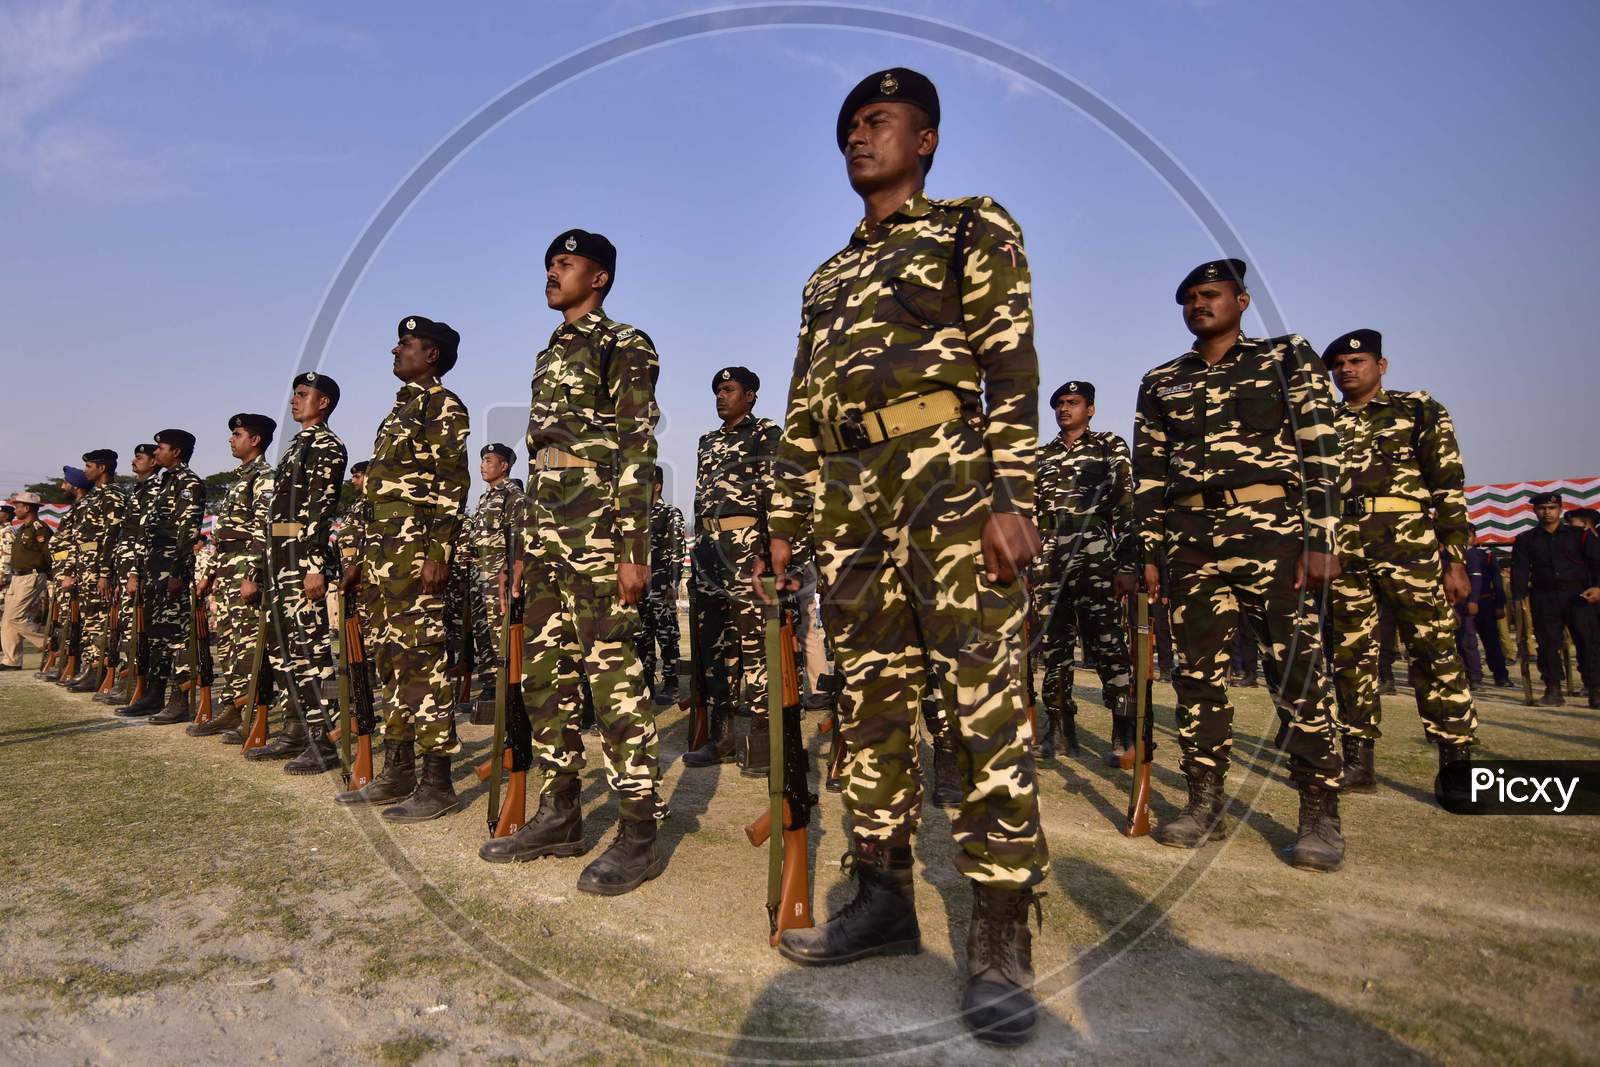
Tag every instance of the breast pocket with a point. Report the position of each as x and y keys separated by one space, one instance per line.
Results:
x=921 y=292
x=1260 y=408
x=1092 y=475
x=1180 y=414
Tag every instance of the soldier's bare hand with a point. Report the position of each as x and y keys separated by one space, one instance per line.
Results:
x=1457 y=586
x=778 y=548
x=133 y=584
x=1125 y=584
x=631 y=581
x=434 y=574
x=351 y=578
x=315 y=585
x=248 y=590
x=1592 y=594
x=203 y=589
x=174 y=586
x=516 y=580
x=102 y=588
x=1010 y=542
x=69 y=582
x=1314 y=570
x=1152 y=578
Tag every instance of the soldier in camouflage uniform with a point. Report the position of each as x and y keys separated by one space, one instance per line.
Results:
x=1236 y=467
x=483 y=558
x=166 y=574
x=416 y=486
x=658 y=617
x=733 y=484
x=1405 y=517
x=291 y=560
x=353 y=518
x=234 y=620
x=1084 y=501
x=125 y=553
x=584 y=566
x=907 y=448
x=102 y=519
x=64 y=554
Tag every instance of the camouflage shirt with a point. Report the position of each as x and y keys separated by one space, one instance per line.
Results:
x=299 y=505
x=1262 y=414
x=97 y=532
x=172 y=524
x=352 y=527
x=1404 y=445
x=129 y=553
x=937 y=296
x=236 y=519
x=733 y=469
x=64 y=550
x=666 y=546
x=594 y=396
x=1087 y=484
x=419 y=462
x=485 y=537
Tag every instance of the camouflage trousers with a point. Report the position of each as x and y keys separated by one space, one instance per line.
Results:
x=1426 y=624
x=299 y=645
x=167 y=620
x=898 y=529
x=658 y=628
x=1082 y=603
x=576 y=627
x=732 y=634
x=96 y=615
x=234 y=625
x=1235 y=566
x=403 y=630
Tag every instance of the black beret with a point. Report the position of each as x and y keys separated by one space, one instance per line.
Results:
x=1368 y=341
x=103 y=456
x=1225 y=270
x=260 y=425
x=322 y=383
x=1585 y=513
x=1540 y=499
x=144 y=450
x=896 y=85
x=503 y=451
x=743 y=375
x=583 y=243
x=360 y=467
x=440 y=333
x=1074 y=388
x=182 y=440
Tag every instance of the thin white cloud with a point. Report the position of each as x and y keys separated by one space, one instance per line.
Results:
x=47 y=49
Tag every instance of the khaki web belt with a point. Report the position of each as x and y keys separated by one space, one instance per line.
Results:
x=1356 y=506
x=893 y=420
x=553 y=458
x=288 y=529
x=1222 y=498
x=732 y=522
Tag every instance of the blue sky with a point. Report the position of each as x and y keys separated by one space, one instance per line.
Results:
x=179 y=183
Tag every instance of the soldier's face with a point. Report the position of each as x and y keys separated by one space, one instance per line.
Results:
x=143 y=463
x=414 y=358
x=242 y=443
x=1211 y=309
x=1073 y=413
x=1357 y=373
x=655 y=494
x=359 y=481
x=1549 y=512
x=25 y=512
x=167 y=456
x=570 y=279
x=306 y=403
x=734 y=401
x=93 y=470
x=885 y=143
x=493 y=467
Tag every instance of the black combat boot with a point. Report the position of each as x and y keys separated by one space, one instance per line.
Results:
x=1320 y=844
x=1553 y=697
x=1388 y=688
x=948 y=791
x=998 y=1005
x=287 y=743
x=1201 y=819
x=880 y=921
x=434 y=795
x=1594 y=696
x=1358 y=776
x=318 y=756
x=231 y=719
x=556 y=829
x=719 y=743
x=1121 y=739
x=755 y=748
x=88 y=679
x=1250 y=679
x=1457 y=789
x=395 y=782
x=176 y=709
x=1069 y=732
x=155 y=695
x=631 y=860
x=1047 y=737
x=120 y=694
x=54 y=673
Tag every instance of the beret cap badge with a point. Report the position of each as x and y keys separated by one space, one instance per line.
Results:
x=889 y=85
x=1211 y=270
x=571 y=244
x=1355 y=342
x=411 y=324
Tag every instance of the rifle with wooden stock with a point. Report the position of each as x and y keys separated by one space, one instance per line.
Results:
x=113 y=643
x=74 y=650
x=1524 y=647
x=512 y=749
x=364 y=718
x=258 y=698
x=789 y=798
x=1137 y=757
x=201 y=669
x=52 y=626
x=141 y=644
x=694 y=700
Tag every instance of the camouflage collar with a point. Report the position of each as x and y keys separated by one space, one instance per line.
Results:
x=1382 y=398
x=251 y=464
x=746 y=420
x=917 y=207
x=587 y=324
x=1239 y=342
x=411 y=389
